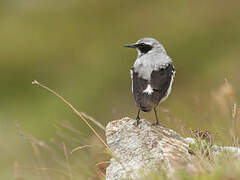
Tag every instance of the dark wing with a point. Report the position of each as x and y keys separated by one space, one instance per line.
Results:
x=160 y=82
x=138 y=86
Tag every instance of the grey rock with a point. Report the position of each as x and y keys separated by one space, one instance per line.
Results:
x=141 y=149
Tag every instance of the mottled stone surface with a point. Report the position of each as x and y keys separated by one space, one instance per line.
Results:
x=139 y=150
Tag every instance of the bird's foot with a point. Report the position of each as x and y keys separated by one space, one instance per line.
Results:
x=155 y=124
x=137 y=121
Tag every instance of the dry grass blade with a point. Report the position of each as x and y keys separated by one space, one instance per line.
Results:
x=105 y=162
x=93 y=120
x=34 y=144
x=80 y=147
x=76 y=111
x=62 y=124
x=67 y=161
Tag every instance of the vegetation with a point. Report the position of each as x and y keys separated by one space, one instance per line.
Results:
x=75 y=47
x=207 y=165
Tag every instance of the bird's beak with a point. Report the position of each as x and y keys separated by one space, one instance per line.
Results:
x=130 y=45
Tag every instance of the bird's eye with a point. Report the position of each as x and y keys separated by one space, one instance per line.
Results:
x=144 y=48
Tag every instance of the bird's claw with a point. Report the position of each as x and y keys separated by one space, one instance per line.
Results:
x=155 y=124
x=137 y=121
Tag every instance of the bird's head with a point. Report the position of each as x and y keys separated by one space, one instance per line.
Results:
x=147 y=46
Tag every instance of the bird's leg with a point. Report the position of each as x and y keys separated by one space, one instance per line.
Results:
x=138 y=117
x=157 y=123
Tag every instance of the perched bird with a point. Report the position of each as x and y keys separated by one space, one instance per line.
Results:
x=152 y=75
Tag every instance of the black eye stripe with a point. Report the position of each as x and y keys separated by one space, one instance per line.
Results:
x=144 y=48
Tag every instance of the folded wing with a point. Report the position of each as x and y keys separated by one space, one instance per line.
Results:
x=161 y=82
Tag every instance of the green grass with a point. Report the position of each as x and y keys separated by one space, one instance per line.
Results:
x=75 y=47
x=73 y=157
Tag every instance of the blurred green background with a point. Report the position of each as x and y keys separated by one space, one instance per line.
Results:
x=75 y=47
